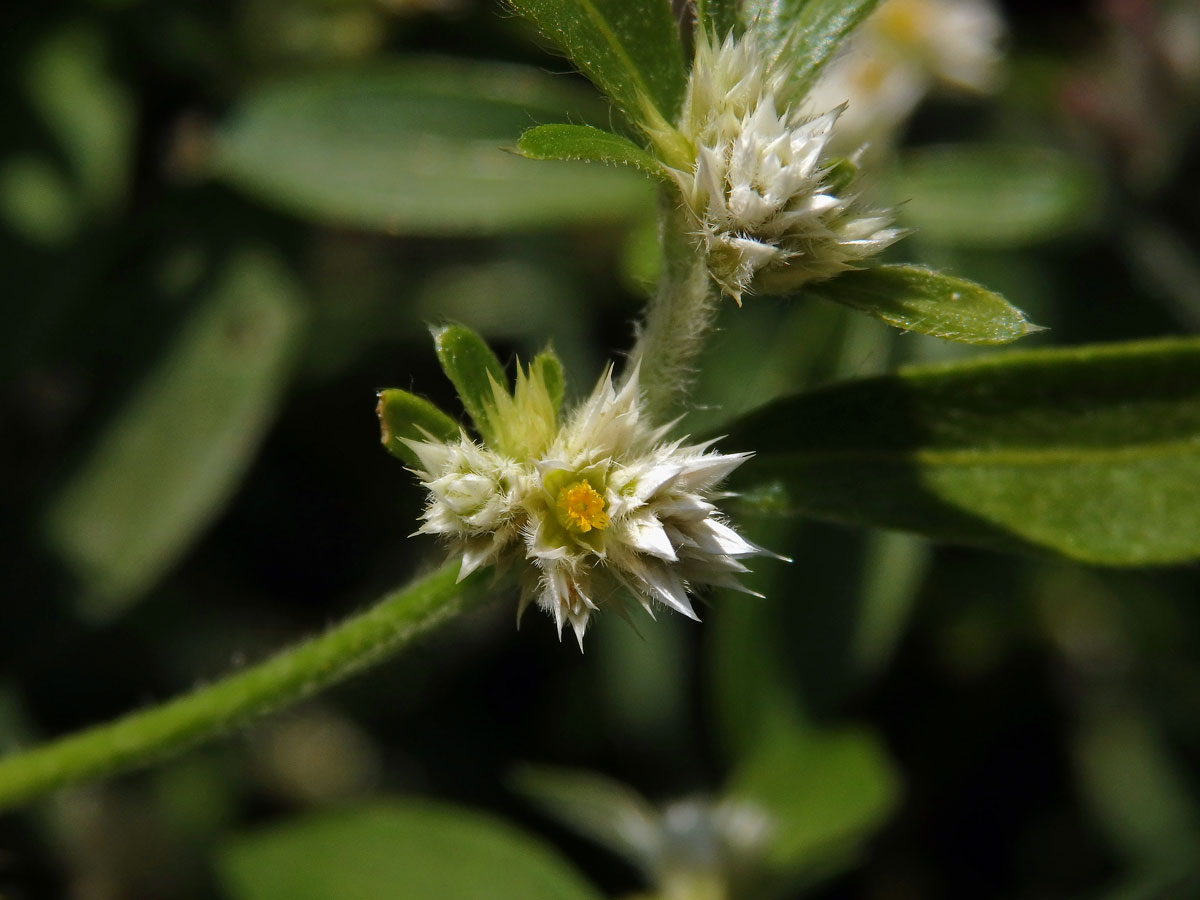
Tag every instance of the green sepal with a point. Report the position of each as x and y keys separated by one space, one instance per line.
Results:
x=585 y=142
x=919 y=299
x=547 y=366
x=403 y=415
x=839 y=175
x=471 y=366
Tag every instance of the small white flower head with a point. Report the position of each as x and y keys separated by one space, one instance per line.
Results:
x=600 y=503
x=773 y=207
x=900 y=52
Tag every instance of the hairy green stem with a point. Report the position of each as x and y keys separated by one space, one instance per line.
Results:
x=680 y=316
x=292 y=674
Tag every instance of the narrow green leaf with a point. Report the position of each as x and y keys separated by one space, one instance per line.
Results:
x=415 y=148
x=1136 y=787
x=632 y=51
x=548 y=366
x=392 y=850
x=471 y=366
x=995 y=195
x=919 y=299
x=1092 y=453
x=825 y=791
x=172 y=457
x=405 y=415
x=585 y=142
x=70 y=83
x=808 y=31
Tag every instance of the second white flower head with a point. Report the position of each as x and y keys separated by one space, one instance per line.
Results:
x=772 y=207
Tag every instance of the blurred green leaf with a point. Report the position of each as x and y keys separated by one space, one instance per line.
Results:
x=994 y=195
x=404 y=415
x=608 y=811
x=36 y=201
x=388 y=851
x=472 y=368
x=1092 y=453
x=1171 y=882
x=809 y=32
x=1139 y=793
x=415 y=148
x=171 y=458
x=786 y=659
x=750 y=690
x=631 y=51
x=891 y=572
x=919 y=299
x=585 y=142
x=825 y=791
x=70 y=84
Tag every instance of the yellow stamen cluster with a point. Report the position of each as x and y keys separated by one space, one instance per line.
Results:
x=582 y=507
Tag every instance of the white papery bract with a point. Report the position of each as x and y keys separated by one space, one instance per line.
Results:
x=607 y=504
x=772 y=207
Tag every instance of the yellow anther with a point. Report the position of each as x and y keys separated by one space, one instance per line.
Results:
x=582 y=507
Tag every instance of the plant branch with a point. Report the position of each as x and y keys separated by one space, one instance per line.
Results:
x=680 y=316
x=291 y=675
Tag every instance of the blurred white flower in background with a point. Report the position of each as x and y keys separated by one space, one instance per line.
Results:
x=902 y=51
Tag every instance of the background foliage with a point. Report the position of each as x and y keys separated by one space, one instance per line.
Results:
x=224 y=226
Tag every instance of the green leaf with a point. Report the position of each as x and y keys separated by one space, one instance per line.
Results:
x=472 y=367
x=994 y=195
x=415 y=148
x=36 y=200
x=825 y=791
x=603 y=809
x=720 y=17
x=1136 y=787
x=585 y=142
x=405 y=415
x=808 y=31
x=168 y=462
x=72 y=88
x=919 y=299
x=393 y=850
x=1092 y=453
x=630 y=50
x=550 y=369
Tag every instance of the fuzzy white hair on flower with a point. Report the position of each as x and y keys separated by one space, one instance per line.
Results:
x=773 y=208
x=606 y=504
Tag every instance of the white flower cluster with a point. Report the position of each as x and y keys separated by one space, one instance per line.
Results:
x=773 y=208
x=602 y=503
